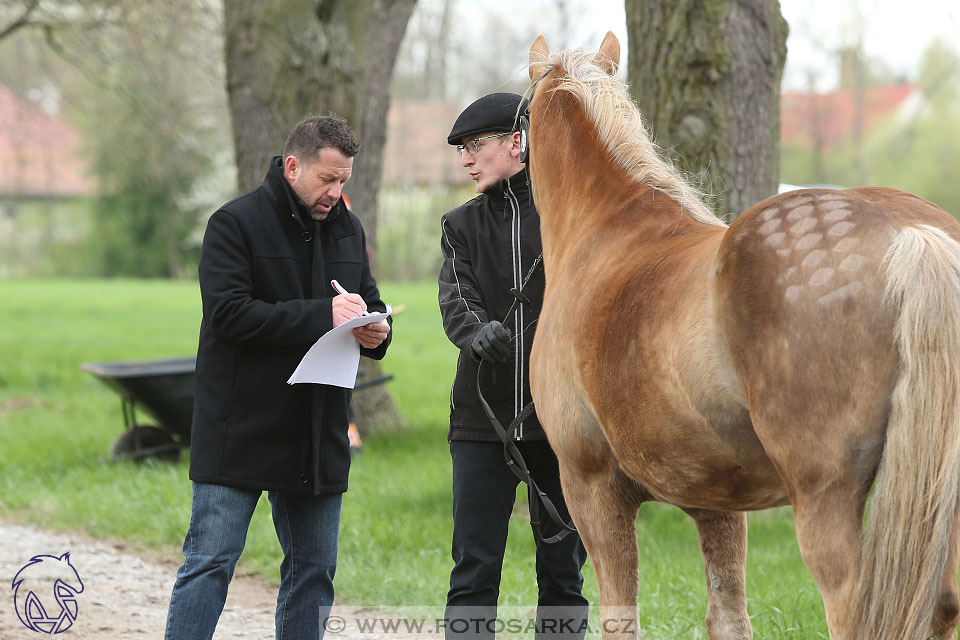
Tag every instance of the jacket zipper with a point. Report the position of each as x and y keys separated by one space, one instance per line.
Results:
x=518 y=374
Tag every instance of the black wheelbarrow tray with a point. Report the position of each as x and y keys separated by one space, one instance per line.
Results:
x=164 y=390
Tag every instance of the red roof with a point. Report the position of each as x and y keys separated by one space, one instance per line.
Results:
x=831 y=115
x=39 y=154
x=416 y=150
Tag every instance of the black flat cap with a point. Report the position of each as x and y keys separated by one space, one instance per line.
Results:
x=494 y=112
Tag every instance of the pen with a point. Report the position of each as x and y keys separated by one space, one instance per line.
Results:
x=339 y=289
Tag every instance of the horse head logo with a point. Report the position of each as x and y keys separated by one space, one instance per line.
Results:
x=45 y=594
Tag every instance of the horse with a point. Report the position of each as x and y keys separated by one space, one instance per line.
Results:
x=806 y=354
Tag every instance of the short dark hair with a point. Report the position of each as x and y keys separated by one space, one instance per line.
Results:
x=315 y=133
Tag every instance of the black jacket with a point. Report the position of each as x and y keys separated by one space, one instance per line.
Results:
x=265 y=272
x=489 y=245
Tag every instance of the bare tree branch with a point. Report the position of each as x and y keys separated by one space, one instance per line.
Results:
x=22 y=21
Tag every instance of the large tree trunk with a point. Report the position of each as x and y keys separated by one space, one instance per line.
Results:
x=706 y=75
x=383 y=32
x=292 y=59
x=385 y=24
x=285 y=61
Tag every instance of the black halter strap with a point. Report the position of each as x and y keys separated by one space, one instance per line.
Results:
x=511 y=453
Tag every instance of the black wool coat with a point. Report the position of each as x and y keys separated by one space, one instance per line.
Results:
x=265 y=272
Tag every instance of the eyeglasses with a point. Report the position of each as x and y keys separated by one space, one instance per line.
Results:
x=473 y=146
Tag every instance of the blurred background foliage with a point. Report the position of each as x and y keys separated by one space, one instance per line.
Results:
x=143 y=86
x=912 y=145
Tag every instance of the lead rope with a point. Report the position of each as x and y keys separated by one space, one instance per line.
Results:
x=511 y=453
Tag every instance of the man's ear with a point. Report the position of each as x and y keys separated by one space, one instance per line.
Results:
x=291 y=166
x=515 y=146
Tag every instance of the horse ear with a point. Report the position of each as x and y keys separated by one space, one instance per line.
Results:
x=608 y=57
x=538 y=54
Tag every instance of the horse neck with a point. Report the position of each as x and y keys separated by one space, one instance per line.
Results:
x=578 y=187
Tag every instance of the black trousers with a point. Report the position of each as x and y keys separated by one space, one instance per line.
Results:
x=484 y=491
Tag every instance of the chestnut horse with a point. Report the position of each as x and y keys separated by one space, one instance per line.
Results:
x=806 y=354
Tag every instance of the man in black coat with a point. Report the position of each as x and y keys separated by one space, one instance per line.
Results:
x=489 y=245
x=266 y=268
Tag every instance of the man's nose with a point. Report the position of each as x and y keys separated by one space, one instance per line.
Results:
x=334 y=191
x=466 y=159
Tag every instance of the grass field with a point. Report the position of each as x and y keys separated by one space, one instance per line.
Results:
x=57 y=424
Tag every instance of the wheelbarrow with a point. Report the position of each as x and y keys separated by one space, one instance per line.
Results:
x=164 y=390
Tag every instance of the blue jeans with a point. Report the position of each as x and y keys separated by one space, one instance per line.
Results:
x=307 y=527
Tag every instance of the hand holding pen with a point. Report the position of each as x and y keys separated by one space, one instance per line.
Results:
x=346 y=305
x=369 y=335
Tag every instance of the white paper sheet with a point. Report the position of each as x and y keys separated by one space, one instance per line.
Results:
x=334 y=358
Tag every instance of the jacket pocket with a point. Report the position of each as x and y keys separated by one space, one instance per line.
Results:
x=278 y=278
x=245 y=374
x=346 y=272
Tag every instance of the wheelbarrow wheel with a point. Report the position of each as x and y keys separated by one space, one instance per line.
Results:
x=145 y=441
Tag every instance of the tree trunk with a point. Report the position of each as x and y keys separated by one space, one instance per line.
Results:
x=285 y=61
x=292 y=59
x=385 y=24
x=706 y=75
x=383 y=28
x=373 y=407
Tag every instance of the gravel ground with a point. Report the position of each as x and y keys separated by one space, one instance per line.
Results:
x=125 y=595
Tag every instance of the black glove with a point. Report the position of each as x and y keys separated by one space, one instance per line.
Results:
x=492 y=343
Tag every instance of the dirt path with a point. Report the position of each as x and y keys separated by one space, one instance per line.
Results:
x=125 y=595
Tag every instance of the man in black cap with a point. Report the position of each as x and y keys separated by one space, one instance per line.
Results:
x=489 y=245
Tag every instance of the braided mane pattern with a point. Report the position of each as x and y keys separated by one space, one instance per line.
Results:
x=620 y=126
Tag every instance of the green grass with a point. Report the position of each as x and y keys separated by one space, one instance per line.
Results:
x=57 y=424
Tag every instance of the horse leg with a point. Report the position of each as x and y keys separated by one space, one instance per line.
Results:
x=723 y=541
x=604 y=508
x=828 y=525
x=947 y=610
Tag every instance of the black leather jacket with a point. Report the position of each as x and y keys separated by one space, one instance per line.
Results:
x=489 y=245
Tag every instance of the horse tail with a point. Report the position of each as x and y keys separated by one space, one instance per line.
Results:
x=915 y=504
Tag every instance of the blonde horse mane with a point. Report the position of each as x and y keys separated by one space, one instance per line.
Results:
x=620 y=126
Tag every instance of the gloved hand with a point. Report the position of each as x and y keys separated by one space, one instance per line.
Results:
x=492 y=343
